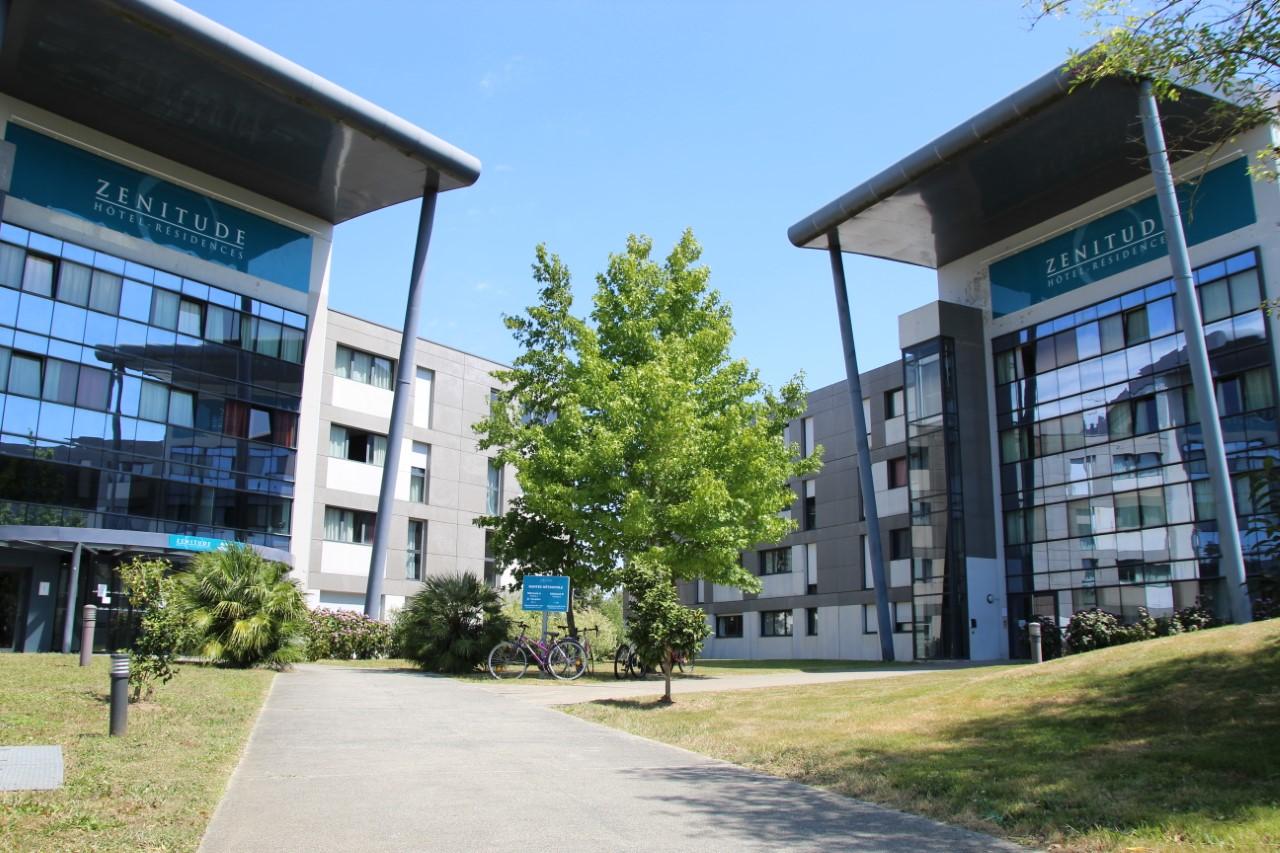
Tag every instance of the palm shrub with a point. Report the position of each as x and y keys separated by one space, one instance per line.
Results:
x=243 y=608
x=450 y=624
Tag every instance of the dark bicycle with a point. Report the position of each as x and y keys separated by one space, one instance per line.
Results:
x=564 y=659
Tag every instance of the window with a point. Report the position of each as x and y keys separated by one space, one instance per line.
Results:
x=357 y=445
x=729 y=626
x=24 y=374
x=775 y=623
x=899 y=610
x=348 y=525
x=415 y=550
x=244 y=421
x=775 y=561
x=363 y=367
x=171 y=311
x=898 y=472
x=73 y=283
x=900 y=544
x=494 y=493
x=810 y=505
x=893 y=403
x=153 y=404
x=418 y=485
x=807 y=442
x=492 y=571
x=37 y=276
x=811 y=621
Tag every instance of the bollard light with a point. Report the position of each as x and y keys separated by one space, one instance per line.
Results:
x=119 y=694
x=1037 y=647
x=88 y=621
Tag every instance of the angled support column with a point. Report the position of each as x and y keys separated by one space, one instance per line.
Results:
x=884 y=619
x=405 y=370
x=1215 y=454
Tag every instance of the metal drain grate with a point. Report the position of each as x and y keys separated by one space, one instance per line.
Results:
x=30 y=768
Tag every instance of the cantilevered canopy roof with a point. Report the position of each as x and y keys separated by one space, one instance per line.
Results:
x=157 y=75
x=1038 y=153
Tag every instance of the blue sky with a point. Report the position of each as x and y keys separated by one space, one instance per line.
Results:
x=597 y=119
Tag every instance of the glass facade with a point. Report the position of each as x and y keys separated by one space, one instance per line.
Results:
x=1105 y=493
x=937 y=552
x=134 y=399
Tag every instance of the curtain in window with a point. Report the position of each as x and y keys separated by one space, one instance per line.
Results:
x=105 y=296
x=60 y=379
x=284 y=429
x=12 y=259
x=337 y=524
x=4 y=368
x=37 y=277
x=153 y=404
x=182 y=406
x=291 y=342
x=380 y=375
x=341 y=361
x=73 y=283
x=235 y=419
x=360 y=366
x=221 y=325
x=266 y=337
x=417 y=485
x=164 y=309
x=1257 y=389
x=94 y=388
x=337 y=441
x=189 y=318
x=377 y=450
x=24 y=375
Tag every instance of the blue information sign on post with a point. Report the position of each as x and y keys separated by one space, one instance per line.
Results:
x=547 y=593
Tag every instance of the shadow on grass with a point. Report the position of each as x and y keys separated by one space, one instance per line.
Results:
x=1188 y=742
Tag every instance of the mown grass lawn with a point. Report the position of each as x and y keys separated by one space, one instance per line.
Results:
x=1172 y=744
x=702 y=669
x=155 y=788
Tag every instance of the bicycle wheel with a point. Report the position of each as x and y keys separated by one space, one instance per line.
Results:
x=507 y=660
x=620 y=659
x=635 y=666
x=566 y=660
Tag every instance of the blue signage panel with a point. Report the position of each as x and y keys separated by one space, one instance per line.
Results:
x=73 y=181
x=195 y=543
x=548 y=593
x=1219 y=202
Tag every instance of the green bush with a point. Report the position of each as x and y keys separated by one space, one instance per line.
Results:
x=1091 y=629
x=346 y=635
x=1050 y=637
x=1195 y=618
x=1145 y=628
x=243 y=608
x=163 y=630
x=451 y=624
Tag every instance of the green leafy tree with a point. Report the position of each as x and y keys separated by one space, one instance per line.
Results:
x=634 y=434
x=243 y=608
x=1230 y=46
x=163 y=630
x=450 y=624
x=660 y=625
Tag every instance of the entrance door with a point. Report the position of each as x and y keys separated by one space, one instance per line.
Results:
x=10 y=609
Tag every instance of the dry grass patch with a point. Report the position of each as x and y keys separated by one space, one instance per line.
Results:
x=1171 y=744
x=154 y=789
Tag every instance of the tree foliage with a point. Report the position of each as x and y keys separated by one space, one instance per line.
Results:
x=450 y=624
x=660 y=625
x=1231 y=46
x=243 y=608
x=163 y=630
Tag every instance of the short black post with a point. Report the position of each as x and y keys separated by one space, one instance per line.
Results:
x=1037 y=647
x=119 y=695
x=87 y=623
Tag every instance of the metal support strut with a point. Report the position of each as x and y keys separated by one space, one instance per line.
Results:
x=405 y=370
x=884 y=618
x=1215 y=454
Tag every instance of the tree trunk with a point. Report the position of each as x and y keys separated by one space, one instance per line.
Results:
x=666 y=676
x=568 y=616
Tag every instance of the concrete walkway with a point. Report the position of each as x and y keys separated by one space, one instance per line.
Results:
x=536 y=688
x=371 y=760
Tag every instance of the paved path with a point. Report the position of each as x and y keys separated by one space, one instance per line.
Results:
x=373 y=760
x=547 y=694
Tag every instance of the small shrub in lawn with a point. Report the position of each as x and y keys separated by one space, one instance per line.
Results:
x=1144 y=628
x=346 y=635
x=1091 y=629
x=163 y=630
x=1168 y=626
x=1195 y=618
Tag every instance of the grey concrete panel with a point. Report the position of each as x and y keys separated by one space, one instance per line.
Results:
x=30 y=768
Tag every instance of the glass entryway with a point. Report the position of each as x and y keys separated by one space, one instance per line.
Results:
x=10 y=608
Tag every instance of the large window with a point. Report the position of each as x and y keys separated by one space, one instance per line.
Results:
x=363 y=367
x=492 y=571
x=348 y=525
x=415 y=550
x=775 y=561
x=811 y=621
x=900 y=543
x=775 y=623
x=901 y=612
x=810 y=505
x=898 y=472
x=357 y=445
x=729 y=626
x=493 y=496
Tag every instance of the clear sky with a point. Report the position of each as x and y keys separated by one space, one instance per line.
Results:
x=598 y=119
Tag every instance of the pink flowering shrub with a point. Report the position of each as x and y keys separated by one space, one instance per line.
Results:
x=346 y=635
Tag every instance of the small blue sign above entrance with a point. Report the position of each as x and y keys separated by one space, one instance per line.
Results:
x=73 y=181
x=1217 y=203
x=548 y=593
x=196 y=543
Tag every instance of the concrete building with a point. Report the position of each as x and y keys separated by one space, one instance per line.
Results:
x=445 y=482
x=1051 y=458
x=164 y=262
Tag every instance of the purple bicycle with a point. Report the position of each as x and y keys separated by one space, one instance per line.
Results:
x=563 y=659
